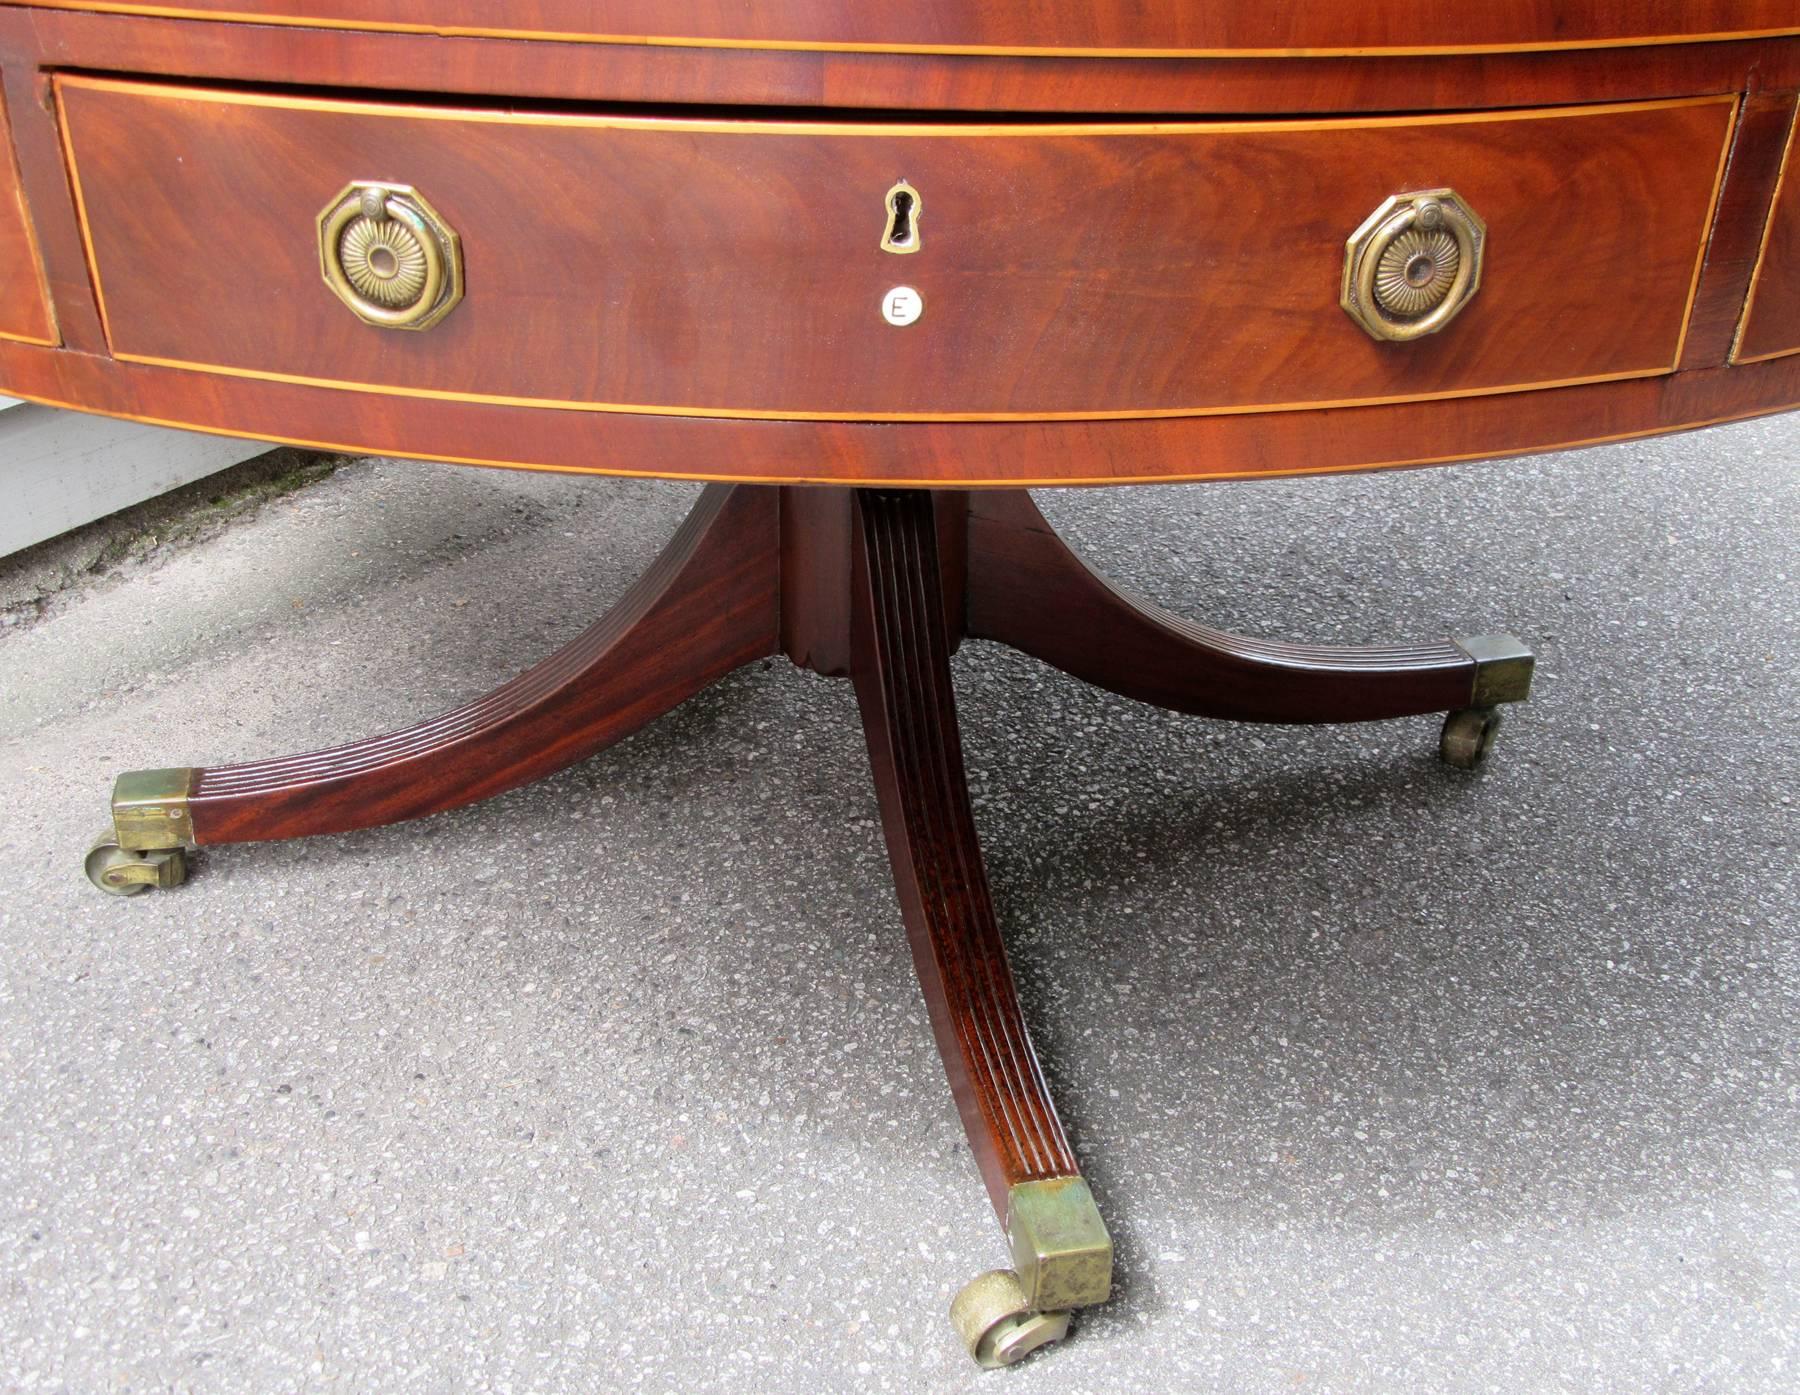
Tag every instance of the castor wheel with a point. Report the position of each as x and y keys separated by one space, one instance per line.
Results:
x=996 y=1323
x=1468 y=736
x=126 y=872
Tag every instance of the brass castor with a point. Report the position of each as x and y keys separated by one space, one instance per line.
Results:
x=994 y=1319
x=1468 y=736
x=124 y=872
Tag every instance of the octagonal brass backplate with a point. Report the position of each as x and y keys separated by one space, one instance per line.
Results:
x=1413 y=264
x=390 y=256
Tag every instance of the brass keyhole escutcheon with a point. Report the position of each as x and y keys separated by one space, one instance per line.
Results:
x=1413 y=265
x=389 y=256
x=903 y=208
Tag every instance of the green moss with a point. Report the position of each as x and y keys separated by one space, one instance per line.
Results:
x=30 y=581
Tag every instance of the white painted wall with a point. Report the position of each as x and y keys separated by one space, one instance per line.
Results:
x=59 y=470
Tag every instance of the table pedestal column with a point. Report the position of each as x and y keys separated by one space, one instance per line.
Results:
x=878 y=586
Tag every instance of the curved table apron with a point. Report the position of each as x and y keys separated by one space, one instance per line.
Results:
x=874 y=272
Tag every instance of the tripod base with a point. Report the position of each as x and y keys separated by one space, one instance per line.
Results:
x=879 y=587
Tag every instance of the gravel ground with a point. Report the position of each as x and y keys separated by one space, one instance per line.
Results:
x=1388 y=1078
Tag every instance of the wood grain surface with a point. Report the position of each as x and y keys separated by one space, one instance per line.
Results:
x=876 y=585
x=1226 y=26
x=727 y=268
x=708 y=605
x=900 y=664
x=1764 y=122
x=24 y=302
x=1029 y=589
x=35 y=40
x=1007 y=454
x=1772 y=318
x=37 y=145
x=788 y=79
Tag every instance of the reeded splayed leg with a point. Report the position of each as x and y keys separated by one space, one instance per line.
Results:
x=709 y=604
x=900 y=663
x=1029 y=589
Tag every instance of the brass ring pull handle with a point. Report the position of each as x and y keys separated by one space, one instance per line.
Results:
x=1413 y=265
x=389 y=256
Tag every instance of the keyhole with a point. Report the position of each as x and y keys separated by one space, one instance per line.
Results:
x=903 y=208
x=902 y=230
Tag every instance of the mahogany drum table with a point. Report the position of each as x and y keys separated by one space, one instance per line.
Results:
x=874 y=271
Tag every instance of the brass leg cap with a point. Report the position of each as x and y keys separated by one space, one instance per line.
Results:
x=996 y=1323
x=150 y=809
x=1060 y=1249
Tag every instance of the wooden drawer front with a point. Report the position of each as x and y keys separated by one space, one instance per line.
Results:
x=1772 y=317
x=735 y=268
x=24 y=305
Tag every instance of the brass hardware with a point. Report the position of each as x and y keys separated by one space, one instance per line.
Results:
x=150 y=809
x=389 y=256
x=126 y=872
x=1059 y=1243
x=1502 y=669
x=1413 y=265
x=1468 y=736
x=1062 y=1258
x=997 y=1323
x=903 y=208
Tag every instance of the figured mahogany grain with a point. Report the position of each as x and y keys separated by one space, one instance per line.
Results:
x=637 y=73
x=707 y=606
x=738 y=268
x=1772 y=318
x=815 y=579
x=972 y=455
x=24 y=303
x=45 y=181
x=901 y=670
x=1221 y=25
x=1003 y=454
x=1064 y=290
x=890 y=578
x=816 y=546
x=1731 y=252
x=1029 y=589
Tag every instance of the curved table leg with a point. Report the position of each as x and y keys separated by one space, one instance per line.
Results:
x=710 y=603
x=899 y=651
x=1029 y=589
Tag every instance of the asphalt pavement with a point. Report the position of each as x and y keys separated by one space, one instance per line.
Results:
x=1388 y=1078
